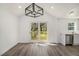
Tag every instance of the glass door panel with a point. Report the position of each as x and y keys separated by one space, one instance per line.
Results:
x=43 y=31
x=34 y=31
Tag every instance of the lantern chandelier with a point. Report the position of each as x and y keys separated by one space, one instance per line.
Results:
x=34 y=10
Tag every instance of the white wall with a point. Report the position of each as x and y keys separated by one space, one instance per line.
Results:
x=8 y=31
x=76 y=36
x=25 y=25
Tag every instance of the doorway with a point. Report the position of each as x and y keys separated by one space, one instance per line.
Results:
x=39 y=31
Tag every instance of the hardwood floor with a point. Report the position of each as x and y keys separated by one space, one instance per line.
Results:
x=23 y=49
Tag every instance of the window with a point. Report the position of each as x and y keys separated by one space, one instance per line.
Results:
x=70 y=26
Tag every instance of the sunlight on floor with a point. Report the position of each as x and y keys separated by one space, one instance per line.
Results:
x=43 y=44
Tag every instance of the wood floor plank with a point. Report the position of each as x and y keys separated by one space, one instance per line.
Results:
x=33 y=49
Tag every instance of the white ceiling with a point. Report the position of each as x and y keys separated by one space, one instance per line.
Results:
x=58 y=10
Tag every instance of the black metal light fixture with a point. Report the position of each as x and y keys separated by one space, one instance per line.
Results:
x=34 y=10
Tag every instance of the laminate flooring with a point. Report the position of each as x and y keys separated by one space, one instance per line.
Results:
x=37 y=49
